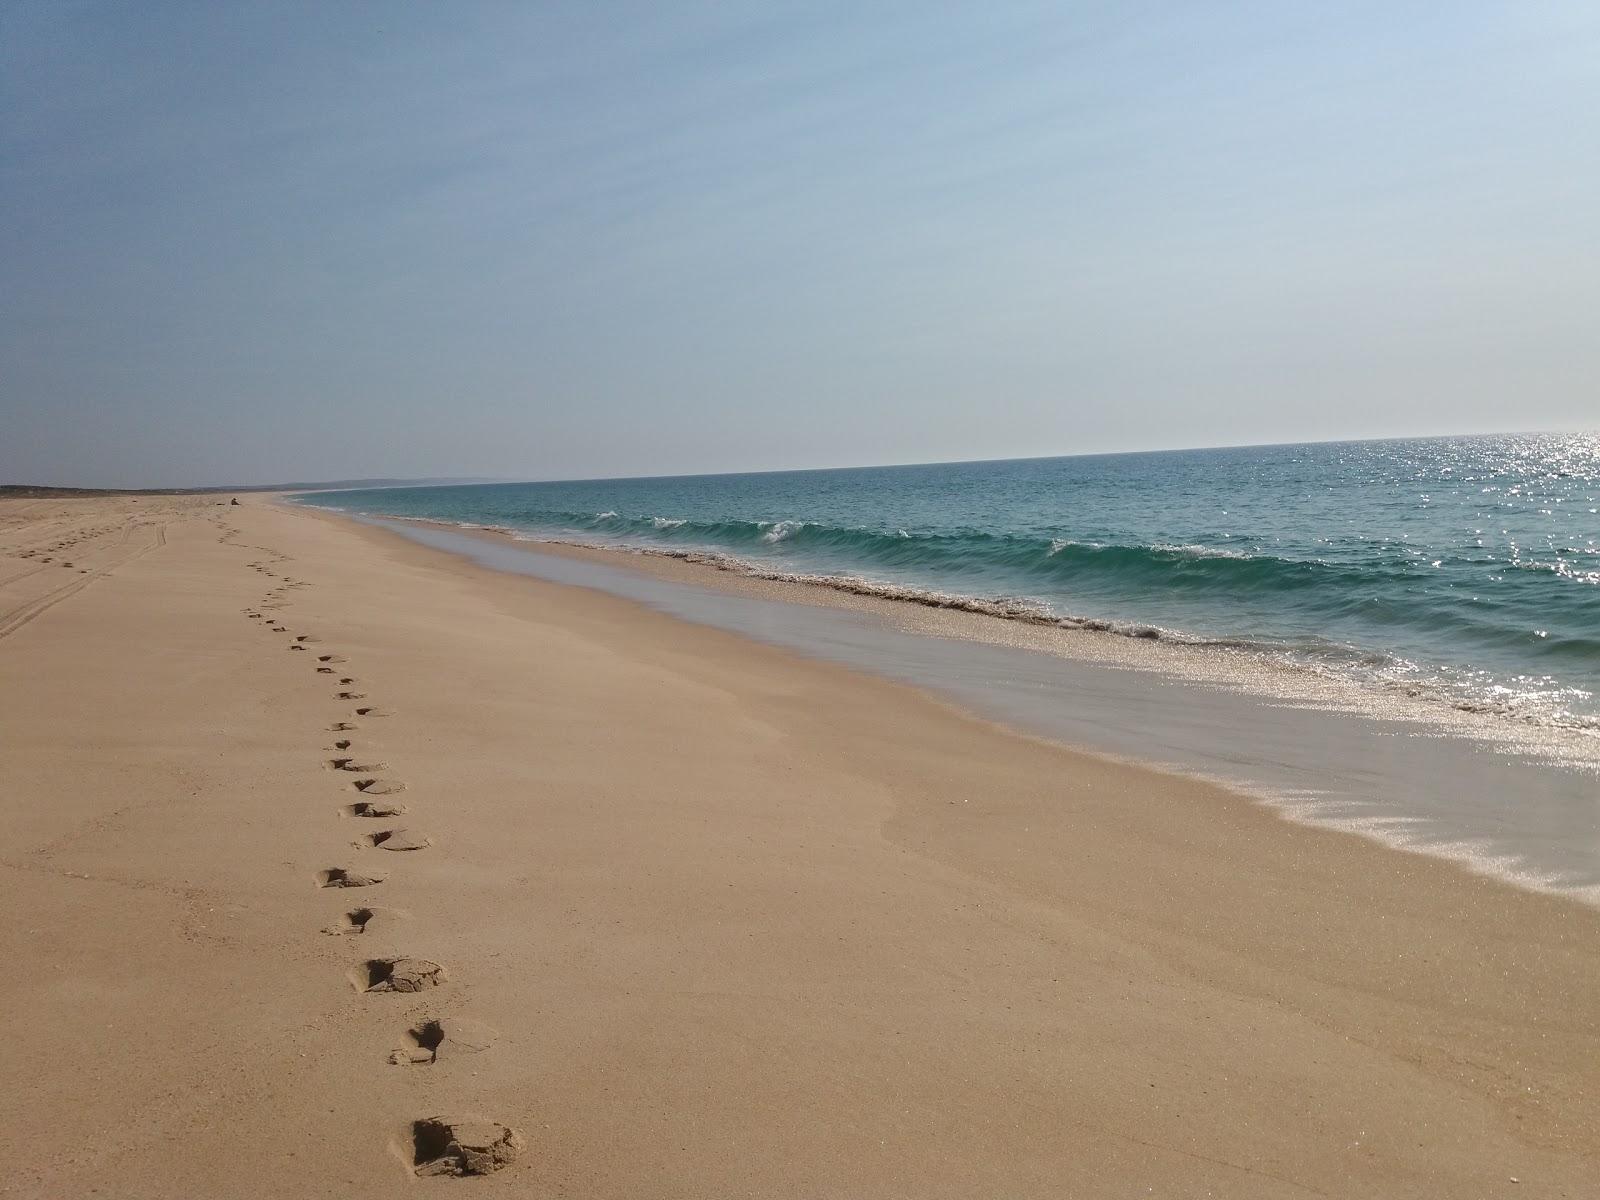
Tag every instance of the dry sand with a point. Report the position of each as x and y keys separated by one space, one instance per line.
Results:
x=685 y=915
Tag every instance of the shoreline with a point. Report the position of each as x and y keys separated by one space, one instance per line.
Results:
x=1277 y=746
x=738 y=921
x=1220 y=661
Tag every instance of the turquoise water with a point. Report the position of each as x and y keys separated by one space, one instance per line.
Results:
x=1462 y=570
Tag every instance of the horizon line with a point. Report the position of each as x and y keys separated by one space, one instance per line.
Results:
x=381 y=482
x=955 y=462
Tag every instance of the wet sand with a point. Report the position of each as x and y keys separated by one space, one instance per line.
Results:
x=694 y=916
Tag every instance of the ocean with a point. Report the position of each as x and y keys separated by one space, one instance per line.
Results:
x=1462 y=572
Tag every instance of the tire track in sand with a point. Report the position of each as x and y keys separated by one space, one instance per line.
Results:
x=15 y=618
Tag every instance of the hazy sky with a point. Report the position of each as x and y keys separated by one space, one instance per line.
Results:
x=248 y=242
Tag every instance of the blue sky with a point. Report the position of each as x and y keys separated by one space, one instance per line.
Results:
x=253 y=242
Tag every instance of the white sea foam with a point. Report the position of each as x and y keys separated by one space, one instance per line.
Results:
x=777 y=531
x=1192 y=551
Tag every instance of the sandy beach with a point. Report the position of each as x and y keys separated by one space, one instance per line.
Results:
x=663 y=912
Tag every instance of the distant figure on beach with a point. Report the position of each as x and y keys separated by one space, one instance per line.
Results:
x=235 y=500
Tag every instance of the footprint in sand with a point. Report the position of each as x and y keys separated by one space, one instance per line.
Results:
x=374 y=712
x=460 y=1145
x=442 y=1037
x=306 y=637
x=350 y=764
x=398 y=975
x=355 y=921
x=378 y=787
x=351 y=696
x=324 y=670
x=398 y=840
x=341 y=744
x=332 y=658
x=374 y=808
x=342 y=877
